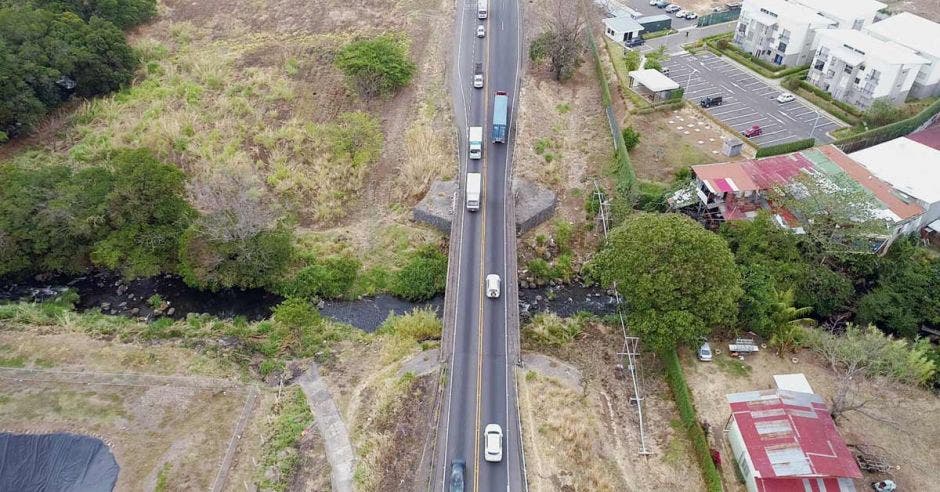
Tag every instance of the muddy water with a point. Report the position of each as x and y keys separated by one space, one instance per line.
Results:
x=113 y=295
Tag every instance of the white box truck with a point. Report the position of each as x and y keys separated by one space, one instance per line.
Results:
x=476 y=142
x=481 y=9
x=474 y=185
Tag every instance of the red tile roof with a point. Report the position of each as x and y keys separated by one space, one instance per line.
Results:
x=790 y=435
x=929 y=137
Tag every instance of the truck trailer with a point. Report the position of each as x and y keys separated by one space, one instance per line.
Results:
x=474 y=185
x=500 y=124
x=482 y=10
x=476 y=142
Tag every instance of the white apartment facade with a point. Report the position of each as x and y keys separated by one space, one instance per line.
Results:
x=858 y=69
x=847 y=14
x=779 y=31
x=921 y=36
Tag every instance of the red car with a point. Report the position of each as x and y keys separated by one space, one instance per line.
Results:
x=753 y=131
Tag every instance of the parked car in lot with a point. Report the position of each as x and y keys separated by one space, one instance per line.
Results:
x=653 y=2
x=691 y=15
x=672 y=8
x=634 y=42
x=493 y=443
x=710 y=101
x=492 y=286
x=753 y=131
x=785 y=97
x=680 y=14
x=661 y=4
x=481 y=31
x=705 y=352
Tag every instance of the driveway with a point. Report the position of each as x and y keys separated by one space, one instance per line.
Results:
x=748 y=100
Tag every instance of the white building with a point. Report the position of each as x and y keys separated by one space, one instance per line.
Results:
x=911 y=165
x=923 y=37
x=779 y=31
x=857 y=68
x=622 y=29
x=848 y=14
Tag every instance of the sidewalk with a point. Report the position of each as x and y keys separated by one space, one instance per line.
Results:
x=674 y=42
x=332 y=428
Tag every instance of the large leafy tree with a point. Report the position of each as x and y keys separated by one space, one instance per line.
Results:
x=678 y=279
x=376 y=66
x=122 y=13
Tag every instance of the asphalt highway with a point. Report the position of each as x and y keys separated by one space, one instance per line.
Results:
x=479 y=388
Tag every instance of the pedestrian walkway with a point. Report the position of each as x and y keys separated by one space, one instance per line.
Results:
x=339 y=450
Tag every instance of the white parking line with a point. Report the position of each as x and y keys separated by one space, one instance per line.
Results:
x=722 y=113
x=786 y=115
x=777 y=139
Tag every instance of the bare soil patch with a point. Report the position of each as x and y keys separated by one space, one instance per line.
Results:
x=604 y=422
x=929 y=9
x=908 y=441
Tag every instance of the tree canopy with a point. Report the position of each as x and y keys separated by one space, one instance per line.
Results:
x=376 y=66
x=679 y=280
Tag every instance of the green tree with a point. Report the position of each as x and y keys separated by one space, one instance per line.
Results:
x=656 y=58
x=678 y=279
x=255 y=261
x=376 y=66
x=787 y=321
x=632 y=59
x=147 y=215
x=122 y=13
x=631 y=137
x=883 y=112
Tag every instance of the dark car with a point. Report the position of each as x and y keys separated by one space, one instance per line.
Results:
x=753 y=131
x=457 y=470
x=633 y=42
x=710 y=101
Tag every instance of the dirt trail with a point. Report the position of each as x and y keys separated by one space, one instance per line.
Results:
x=332 y=428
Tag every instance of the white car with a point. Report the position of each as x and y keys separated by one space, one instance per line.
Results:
x=691 y=15
x=493 y=443
x=478 y=81
x=481 y=31
x=492 y=286
x=682 y=13
x=705 y=352
x=672 y=8
x=653 y=2
x=785 y=97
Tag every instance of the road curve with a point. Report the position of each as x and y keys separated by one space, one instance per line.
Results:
x=481 y=344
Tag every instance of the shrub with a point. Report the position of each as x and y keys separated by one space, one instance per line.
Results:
x=423 y=277
x=540 y=269
x=281 y=445
x=631 y=138
x=255 y=261
x=564 y=232
x=550 y=330
x=786 y=148
x=882 y=113
x=376 y=66
x=331 y=278
x=419 y=325
x=122 y=13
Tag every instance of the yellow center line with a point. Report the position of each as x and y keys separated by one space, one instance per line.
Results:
x=477 y=436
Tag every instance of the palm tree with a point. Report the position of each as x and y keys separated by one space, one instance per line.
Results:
x=788 y=322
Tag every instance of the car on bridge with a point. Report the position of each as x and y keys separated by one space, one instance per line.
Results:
x=492 y=286
x=457 y=470
x=493 y=443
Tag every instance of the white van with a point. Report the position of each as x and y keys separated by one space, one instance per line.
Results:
x=492 y=286
x=474 y=187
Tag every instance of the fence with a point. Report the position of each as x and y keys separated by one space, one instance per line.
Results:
x=875 y=136
x=626 y=177
x=719 y=17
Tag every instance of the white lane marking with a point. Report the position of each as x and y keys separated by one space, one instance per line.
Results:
x=786 y=115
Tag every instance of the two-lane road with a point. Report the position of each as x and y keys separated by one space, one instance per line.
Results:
x=480 y=389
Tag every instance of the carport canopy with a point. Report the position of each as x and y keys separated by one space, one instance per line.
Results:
x=653 y=80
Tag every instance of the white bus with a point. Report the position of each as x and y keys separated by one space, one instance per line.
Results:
x=482 y=10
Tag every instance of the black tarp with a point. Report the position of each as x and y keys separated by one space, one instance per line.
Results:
x=55 y=462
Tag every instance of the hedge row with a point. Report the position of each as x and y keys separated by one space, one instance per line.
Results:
x=758 y=65
x=680 y=392
x=658 y=34
x=626 y=177
x=896 y=129
x=786 y=148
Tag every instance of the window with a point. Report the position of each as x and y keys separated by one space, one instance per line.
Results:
x=782 y=47
x=848 y=68
x=819 y=64
x=857 y=80
x=857 y=25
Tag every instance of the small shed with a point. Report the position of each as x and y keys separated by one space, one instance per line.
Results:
x=652 y=84
x=622 y=29
x=654 y=23
x=793 y=382
x=732 y=146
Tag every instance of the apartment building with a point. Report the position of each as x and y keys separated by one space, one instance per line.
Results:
x=779 y=31
x=857 y=68
x=847 y=14
x=923 y=37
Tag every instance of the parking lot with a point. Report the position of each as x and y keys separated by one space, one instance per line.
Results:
x=747 y=100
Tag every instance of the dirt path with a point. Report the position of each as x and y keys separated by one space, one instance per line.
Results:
x=332 y=428
x=553 y=368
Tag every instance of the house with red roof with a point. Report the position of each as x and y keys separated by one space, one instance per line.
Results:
x=739 y=190
x=786 y=441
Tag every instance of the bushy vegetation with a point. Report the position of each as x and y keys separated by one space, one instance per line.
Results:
x=785 y=148
x=423 y=276
x=126 y=214
x=376 y=66
x=678 y=279
x=329 y=278
x=50 y=50
x=690 y=421
x=420 y=325
x=255 y=261
x=281 y=447
x=631 y=138
x=549 y=330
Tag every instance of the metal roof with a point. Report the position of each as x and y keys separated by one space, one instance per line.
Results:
x=623 y=24
x=793 y=382
x=653 y=18
x=790 y=435
x=653 y=80
x=908 y=164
